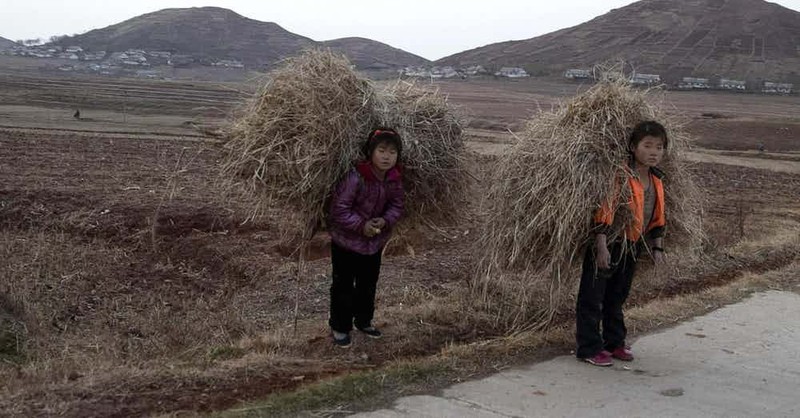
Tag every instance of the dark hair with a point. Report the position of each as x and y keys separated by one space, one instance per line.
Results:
x=382 y=136
x=644 y=129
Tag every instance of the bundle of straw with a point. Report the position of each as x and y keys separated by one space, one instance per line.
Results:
x=539 y=205
x=304 y=130
x=434 y=149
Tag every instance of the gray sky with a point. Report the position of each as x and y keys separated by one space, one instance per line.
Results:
x=430 y=28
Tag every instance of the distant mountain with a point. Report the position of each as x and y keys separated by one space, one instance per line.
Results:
x=207 y=32
x=374 y=55
x=742 y=39
x=212 y=33
x=6 y=43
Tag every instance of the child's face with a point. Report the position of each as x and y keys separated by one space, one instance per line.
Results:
x=384 y=157
x=649 y=151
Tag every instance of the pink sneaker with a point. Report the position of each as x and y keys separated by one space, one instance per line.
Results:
x=601 y=359
x=623 y=353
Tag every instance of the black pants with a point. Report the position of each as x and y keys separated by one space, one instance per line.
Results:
x=355 y=277
x=600 y=298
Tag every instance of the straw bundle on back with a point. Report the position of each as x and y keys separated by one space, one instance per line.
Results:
x=538 y=208
x=301 y=133
x=304 y=130
x=435 y=174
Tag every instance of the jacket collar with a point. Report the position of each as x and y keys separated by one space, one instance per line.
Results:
x=365 y=169
x=655 y=171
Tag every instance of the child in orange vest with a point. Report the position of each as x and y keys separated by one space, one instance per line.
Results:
x=608 y=268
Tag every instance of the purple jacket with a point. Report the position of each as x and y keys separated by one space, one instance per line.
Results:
x=359 y=197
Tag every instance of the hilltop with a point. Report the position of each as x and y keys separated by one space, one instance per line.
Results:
x=210 y=34
x=203 y=32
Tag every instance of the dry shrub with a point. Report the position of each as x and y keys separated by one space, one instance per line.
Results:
x=540 y=201
x=79 y=301
x=304 y=129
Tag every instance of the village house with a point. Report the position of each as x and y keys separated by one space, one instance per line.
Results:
x=645 y=79
x=415 y=72
x=475 y=70
x=180 y=60
x=777 y=88
x=74 y=49
x=95 y=56
x=728 y=84
x=228 y=64
x=577 y=74
x=444 y=72
x=512 y=72
x=118 y=56
x=160 y=54
x=152 y=74
x=694 y=83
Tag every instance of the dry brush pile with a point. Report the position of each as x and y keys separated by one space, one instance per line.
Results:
x=304 y=129
x=539 y=205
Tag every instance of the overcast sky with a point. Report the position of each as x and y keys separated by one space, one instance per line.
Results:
x=430 y=28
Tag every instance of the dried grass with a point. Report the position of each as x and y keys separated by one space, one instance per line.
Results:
x=304 y=130
x=539 y=204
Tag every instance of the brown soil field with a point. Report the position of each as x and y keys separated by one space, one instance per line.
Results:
x=725 y=121
x=133 y=285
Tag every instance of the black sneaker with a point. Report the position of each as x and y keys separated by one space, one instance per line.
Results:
x=341 y=339
x=371 y=332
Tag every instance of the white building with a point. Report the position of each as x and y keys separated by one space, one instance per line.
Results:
x=416 y=72
x=475 y=70
x=512 y=72
x=97 y=56
x=694 y=83
x=728 y=84
x=160 y=54
x=645 y=79
x=228 y=64
x=777 y=88
x=577 y=74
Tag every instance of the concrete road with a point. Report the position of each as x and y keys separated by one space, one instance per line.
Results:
x=739 y=361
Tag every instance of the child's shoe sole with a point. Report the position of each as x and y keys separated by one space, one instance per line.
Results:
x=373 y=333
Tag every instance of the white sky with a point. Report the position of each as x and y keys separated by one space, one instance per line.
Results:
x=429 y=28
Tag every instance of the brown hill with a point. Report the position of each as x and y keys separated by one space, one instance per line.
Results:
x=212 y=33
x=374 y=55
x=6 y=43
x=743 y=39
x=204 y=32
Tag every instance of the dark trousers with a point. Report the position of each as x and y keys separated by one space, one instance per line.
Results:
x=355 y=277
x=600 y=298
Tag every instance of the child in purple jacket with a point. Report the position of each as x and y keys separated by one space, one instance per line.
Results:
x=365 y=206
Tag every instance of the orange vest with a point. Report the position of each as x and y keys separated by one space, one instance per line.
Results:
x=633 y=232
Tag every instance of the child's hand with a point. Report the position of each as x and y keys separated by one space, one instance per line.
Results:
x=380 y=223
x=603 y=257
x=371 y=229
